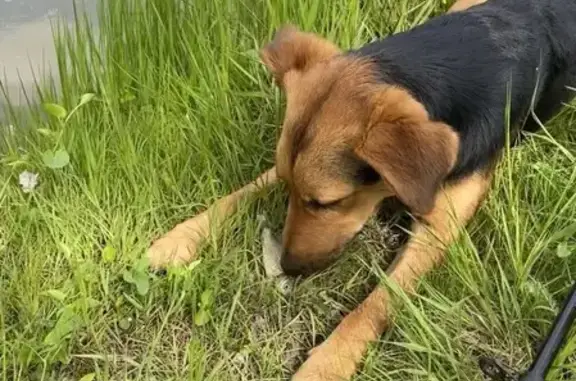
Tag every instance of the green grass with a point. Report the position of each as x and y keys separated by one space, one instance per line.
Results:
x=184 y=114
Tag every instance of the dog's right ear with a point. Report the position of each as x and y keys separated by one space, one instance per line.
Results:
x=292 y=49
x=412 y=153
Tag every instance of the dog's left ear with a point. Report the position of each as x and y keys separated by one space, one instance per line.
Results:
x=409 y=151
x=292 y=49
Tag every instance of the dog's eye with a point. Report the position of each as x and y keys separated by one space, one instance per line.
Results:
x=366 y=175
x=317 y=205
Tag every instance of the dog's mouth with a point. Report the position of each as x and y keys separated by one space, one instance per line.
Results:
x=385 y=229
x=311 y=268
x=387 y=234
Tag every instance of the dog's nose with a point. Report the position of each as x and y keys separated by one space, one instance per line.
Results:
x=292 y=267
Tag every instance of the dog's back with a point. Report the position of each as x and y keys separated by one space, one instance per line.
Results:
x=465 y=67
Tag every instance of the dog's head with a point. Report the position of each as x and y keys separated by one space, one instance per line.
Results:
x=347 y=142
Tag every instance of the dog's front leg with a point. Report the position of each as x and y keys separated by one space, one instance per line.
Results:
x=180 y=244
x=338 y=357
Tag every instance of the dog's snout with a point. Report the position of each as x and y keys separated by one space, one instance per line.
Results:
x=299 y=265
x=291 y=266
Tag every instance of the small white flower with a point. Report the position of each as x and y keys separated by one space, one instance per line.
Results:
x=9 y=128
x=28 y=181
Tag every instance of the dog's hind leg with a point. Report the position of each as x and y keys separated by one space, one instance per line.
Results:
x=338 y=356
x=179 y=245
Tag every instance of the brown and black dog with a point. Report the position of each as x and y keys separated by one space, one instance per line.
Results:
x=421 y=116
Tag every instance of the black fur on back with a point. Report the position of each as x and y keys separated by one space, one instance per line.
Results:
x=466 y=67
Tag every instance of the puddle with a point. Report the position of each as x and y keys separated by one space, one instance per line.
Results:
x=26 y=44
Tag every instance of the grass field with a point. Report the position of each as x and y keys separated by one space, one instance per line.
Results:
x=184 y=113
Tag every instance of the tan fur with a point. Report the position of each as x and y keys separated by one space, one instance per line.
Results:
x=338 y=357
x=294 y=50
x=462 y=5
x=408 y=150
x=335 y=108
x=180 y=245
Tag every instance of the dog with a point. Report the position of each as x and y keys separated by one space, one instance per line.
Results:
x=422 y=116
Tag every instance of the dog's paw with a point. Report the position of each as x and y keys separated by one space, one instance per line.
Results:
x=173 y=250
x=330 y=361
x=180 y=245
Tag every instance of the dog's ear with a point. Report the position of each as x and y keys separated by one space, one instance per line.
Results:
x=411 y=153
x=292 y=49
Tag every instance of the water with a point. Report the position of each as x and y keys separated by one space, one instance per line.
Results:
x=26 y=44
